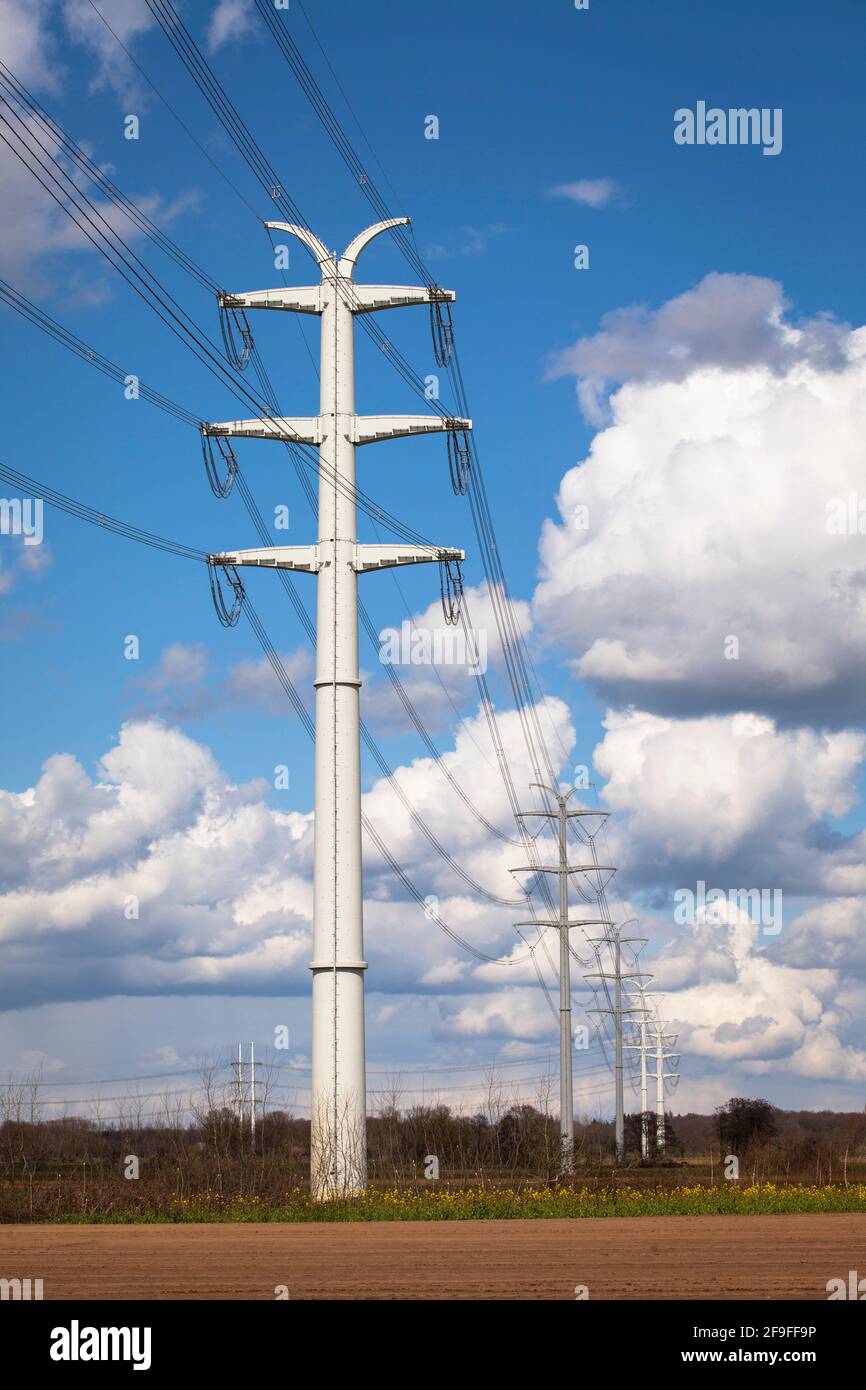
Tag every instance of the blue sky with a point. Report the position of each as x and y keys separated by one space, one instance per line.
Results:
x=529 y=98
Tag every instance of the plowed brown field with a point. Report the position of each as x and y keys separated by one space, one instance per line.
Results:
x=767 y=1257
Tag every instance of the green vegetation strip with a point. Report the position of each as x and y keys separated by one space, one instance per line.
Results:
x=490 y=1202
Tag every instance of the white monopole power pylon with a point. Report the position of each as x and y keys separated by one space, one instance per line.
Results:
x=338 y=1152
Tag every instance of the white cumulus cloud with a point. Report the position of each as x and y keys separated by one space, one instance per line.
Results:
x=703 y=559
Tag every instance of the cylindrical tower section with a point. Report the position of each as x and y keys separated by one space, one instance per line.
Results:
x=566 y=1099
x=617 y=988
x=338 y=1152
x=660 y=1089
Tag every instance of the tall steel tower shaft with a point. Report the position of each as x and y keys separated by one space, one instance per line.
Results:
x=615 y=940
x=338 y=1155
x=338 y=1093
x=563 y=924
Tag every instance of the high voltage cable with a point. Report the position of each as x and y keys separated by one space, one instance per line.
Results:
x=190 y=1093
x=461 y=719
x=220 y=103
x=193 y=1098
x=482 y=1085
x=452 y=863
x=97 y=518
x=17 y=301
x=333 y=73
x=406 y=701
x=229 y=1067
x=316 y=97
x=68 y=195
x=10 y=85
x=202 y=148
x=29 y=1081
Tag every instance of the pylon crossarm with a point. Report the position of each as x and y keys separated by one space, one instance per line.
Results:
x=299 y=299
x=280 y=557
x=298 y=429
x=555 y=869
x=381 y=557
x=366 y=299
x=611 y=1011
x=371 y=429
x=583 y=922
x=308 y=429
x=309 y=299
x=608 y=940
x=608 y=975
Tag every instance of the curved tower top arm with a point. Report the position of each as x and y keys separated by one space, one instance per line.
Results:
x=310 y=240
x=354 y=249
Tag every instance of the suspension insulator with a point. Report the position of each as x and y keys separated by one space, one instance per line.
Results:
x=233 y=325
x=228 y=616
x=458 y=461
x=219 y=486
x=441 y=328
x=451 y=590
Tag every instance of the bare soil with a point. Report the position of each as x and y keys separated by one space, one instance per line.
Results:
x=665 y=1257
